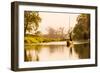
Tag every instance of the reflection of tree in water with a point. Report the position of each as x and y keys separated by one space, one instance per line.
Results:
x=31 y=54
x=83 y=50
x=37 y=53
x=55 y=48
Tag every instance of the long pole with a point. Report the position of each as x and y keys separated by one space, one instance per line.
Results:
x=69 y=22
x=69 y=30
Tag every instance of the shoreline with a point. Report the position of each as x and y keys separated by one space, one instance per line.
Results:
x=57 y=43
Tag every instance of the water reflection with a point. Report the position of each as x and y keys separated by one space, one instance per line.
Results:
x=56 y=52
x=83 y=50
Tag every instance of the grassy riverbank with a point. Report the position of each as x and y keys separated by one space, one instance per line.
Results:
x=38 y=39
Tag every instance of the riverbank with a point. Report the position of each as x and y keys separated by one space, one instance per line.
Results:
x=38 y=39
x=58 y=43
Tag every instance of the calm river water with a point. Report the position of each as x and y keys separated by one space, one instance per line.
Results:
x=56 y=52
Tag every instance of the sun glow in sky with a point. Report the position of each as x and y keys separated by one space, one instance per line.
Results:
x=56 y=20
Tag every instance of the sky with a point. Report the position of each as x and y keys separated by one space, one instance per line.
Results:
x=56 y=20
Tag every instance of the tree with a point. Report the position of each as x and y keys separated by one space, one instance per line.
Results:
x=60 y=33
x=51 y=32
x=38 y=33
x=56 y=33
x=82 y=28
x=31 y=21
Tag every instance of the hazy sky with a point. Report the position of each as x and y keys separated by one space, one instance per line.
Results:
x=56 y=20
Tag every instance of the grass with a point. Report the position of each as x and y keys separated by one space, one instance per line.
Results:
x=38 y=39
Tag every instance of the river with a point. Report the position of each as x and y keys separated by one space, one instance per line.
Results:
x=55 y=51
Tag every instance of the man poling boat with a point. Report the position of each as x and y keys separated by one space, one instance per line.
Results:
x=69 y=41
